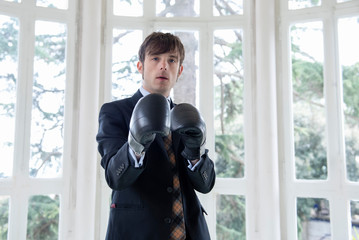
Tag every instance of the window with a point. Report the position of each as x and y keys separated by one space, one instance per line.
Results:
x=9 y=62
x=35 y=141
x=319 y=136
x=307 y=114
x=349 y=79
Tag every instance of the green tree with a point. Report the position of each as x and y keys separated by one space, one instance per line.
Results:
x=9 y=33
x=350 y=76
x=43 y=218
x=231 y=217
x=229 y=141
x=4 y=217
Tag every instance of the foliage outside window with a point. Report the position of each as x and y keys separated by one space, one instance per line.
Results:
x=125 y=77
x=4 y=216
x=48 y=100
x=308 y=101
x=9 y=33
x=60 y=4
x=229 y=89
x=300 y=4
x=313 y=219
x=231 y=217
x=43 y=217
x=349 y=60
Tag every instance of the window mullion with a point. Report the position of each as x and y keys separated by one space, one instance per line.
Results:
x=339 y=207
x=19 y=197
x=68 y=181
x=88 y=114
x=206 y=106
x=18 y=214
x=265 y=166
x=20 y=184
x=332 y=98
x=24 y=96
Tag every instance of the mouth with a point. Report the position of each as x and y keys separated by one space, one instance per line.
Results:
x=162 y=78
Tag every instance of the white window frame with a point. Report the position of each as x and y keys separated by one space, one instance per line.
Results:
x=20 y=186
x=336 y=188
x=269 y=185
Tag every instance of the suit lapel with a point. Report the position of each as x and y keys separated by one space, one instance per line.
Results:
x=134 y=99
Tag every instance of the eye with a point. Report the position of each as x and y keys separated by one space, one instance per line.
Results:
x=172 y=60
x=155 y=58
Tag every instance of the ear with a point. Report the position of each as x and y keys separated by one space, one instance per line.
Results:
x=140 y=67
x=180 y=70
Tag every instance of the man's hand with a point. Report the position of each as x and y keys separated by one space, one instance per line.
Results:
x=150 y=117
x=187 y=121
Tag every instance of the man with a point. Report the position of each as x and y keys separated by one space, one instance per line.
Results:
x=154 y=157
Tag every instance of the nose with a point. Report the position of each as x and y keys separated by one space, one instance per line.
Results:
x=163 y=65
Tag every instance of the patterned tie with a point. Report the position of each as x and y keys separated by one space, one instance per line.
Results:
x=178 y=231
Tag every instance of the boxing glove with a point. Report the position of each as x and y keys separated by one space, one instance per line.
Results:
x=187 y=121
x=149 y=117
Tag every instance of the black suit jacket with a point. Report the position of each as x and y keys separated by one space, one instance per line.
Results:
x=142 y=197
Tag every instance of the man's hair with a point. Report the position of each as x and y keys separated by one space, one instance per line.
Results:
x=158 y=43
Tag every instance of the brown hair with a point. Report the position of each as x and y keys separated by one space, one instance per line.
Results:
x=158 y=43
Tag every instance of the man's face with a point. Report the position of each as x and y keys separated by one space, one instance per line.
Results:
x=160 y=72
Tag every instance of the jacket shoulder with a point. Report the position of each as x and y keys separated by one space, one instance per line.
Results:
x=123 y=104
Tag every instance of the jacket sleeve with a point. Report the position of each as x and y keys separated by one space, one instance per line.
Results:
x=113 y=147
x=203 y=177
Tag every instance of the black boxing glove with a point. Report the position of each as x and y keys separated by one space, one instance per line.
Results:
x=150 y=117
x=187 y=121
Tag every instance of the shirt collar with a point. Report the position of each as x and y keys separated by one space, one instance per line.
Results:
x=144 y=92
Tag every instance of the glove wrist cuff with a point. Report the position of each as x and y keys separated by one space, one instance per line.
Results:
x=137 y=147
x=193 y=153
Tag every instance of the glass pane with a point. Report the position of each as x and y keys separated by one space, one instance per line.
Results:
x=60 y=4
x=313 y=219
x=185 y=89
x=308 y=101
x=231 y=217
x=125 y=77
x=341 y=1
x=228 y=103
x=354 y=209
x=348 y=35
x=128 y=8
x=4 y=216
x=177 y=8
x=47 y=120
x=43 y=217
x=18 y=1
x=9 y=33
x=299 y=4
x=227 y=8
